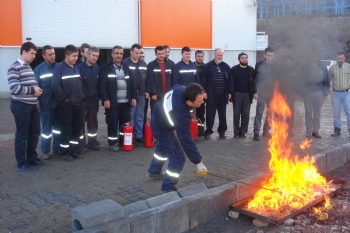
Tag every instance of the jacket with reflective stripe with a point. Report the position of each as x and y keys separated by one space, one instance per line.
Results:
x=138 y=72
x=67 y=84
x=89 y=76
x=154 y=76
x=174 y=107
x=43 y=75
x=107 y=84
x=184 y=74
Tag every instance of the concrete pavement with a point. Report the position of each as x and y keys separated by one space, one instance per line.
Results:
x=41 y=201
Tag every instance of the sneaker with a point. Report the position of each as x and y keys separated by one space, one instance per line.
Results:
x=94 y=148
x=167 y=191
x=113 y=148
x=139 y=140
x=37 y=162
x=256 y=137
x=222 y=136
x=235 y=136
x=76 y=155
x=46 y=156
x=25 y=168
x=158 y=176
x=56 y=152
x=308 y=135
x=242 y=136
x=67 y=158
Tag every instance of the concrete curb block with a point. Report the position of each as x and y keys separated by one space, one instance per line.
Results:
x=162 y=199
x=192 y=189
x=188 y=212
x=95 y=213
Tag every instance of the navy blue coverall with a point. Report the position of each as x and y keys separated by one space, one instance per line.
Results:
x=172 y=114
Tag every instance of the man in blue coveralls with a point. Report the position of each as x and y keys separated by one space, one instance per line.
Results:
x=172 y=114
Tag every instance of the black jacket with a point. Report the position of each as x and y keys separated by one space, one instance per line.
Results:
x=252 y=84
x=154 y=76
x=138 y=73
x=310 y=83
x=107 y=84
x=67 y=85
x=89 y=76
x=265 y=76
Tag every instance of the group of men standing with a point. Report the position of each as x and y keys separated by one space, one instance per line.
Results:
x=67 y=94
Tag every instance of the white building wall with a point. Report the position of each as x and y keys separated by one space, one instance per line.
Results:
x=102 y=23
x=234 y=28
x=8 y=55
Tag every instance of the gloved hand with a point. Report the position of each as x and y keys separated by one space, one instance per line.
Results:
x=201 y=169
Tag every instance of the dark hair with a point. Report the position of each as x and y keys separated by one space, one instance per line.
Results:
x=242 y=54
x=340 y=52
x=185 y=49
x=116 y=47
x=269 y=49
x=166 y=47
x=135 y=46
x=69 y=49
x=28 y=46
x=199 y=51
x=288 y=57
x=158 y=48
x=46 y=47
x=93 y=49
x=192 y=91
x=84 y=46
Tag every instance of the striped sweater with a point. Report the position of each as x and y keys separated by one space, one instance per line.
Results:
x=21 y=80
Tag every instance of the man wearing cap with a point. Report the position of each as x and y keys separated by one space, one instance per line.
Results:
x=244 y=92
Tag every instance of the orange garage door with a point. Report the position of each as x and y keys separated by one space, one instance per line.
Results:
x=176 y=23
x=10 y=23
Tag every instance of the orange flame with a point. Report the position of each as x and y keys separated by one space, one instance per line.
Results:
x=305 y=144
x=295 y=181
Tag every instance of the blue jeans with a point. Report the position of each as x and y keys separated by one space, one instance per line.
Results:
x=137 y=115
x=27 y=119
x=339 y=99
x=49 y=129
x=168 y=147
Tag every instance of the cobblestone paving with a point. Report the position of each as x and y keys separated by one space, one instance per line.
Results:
x=41 y=201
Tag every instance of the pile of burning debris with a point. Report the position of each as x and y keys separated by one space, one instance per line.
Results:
x=296 y=189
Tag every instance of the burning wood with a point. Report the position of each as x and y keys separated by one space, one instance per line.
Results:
x=295 y=182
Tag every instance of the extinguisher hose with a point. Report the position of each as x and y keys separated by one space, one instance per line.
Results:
x=200 y=124
x=122 y=126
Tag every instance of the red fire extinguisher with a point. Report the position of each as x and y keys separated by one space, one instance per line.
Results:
x=194 y=127
x=126 y=130
x=149 y=143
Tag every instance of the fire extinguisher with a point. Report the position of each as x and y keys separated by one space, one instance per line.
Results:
x=149 y=143
x=194 y=127
x=126 y=136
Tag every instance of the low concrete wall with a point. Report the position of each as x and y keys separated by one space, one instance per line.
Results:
x=189 y=211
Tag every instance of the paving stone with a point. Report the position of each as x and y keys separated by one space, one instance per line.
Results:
x=162 y=199
x=135 y=208
x=95 y=213
x=192 y=189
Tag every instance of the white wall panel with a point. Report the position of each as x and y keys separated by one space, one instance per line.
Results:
x=8 y=55
x=103 y=23
x=234 y=24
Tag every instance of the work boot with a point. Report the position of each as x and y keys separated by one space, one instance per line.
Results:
x=336 y=132
x=67 y=158
x=168 y=191
x=256 y=137
x=113 y=148
x=158 y=176
x=76 y=155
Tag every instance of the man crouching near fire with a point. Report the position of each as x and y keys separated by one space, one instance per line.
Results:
x=172 y=114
